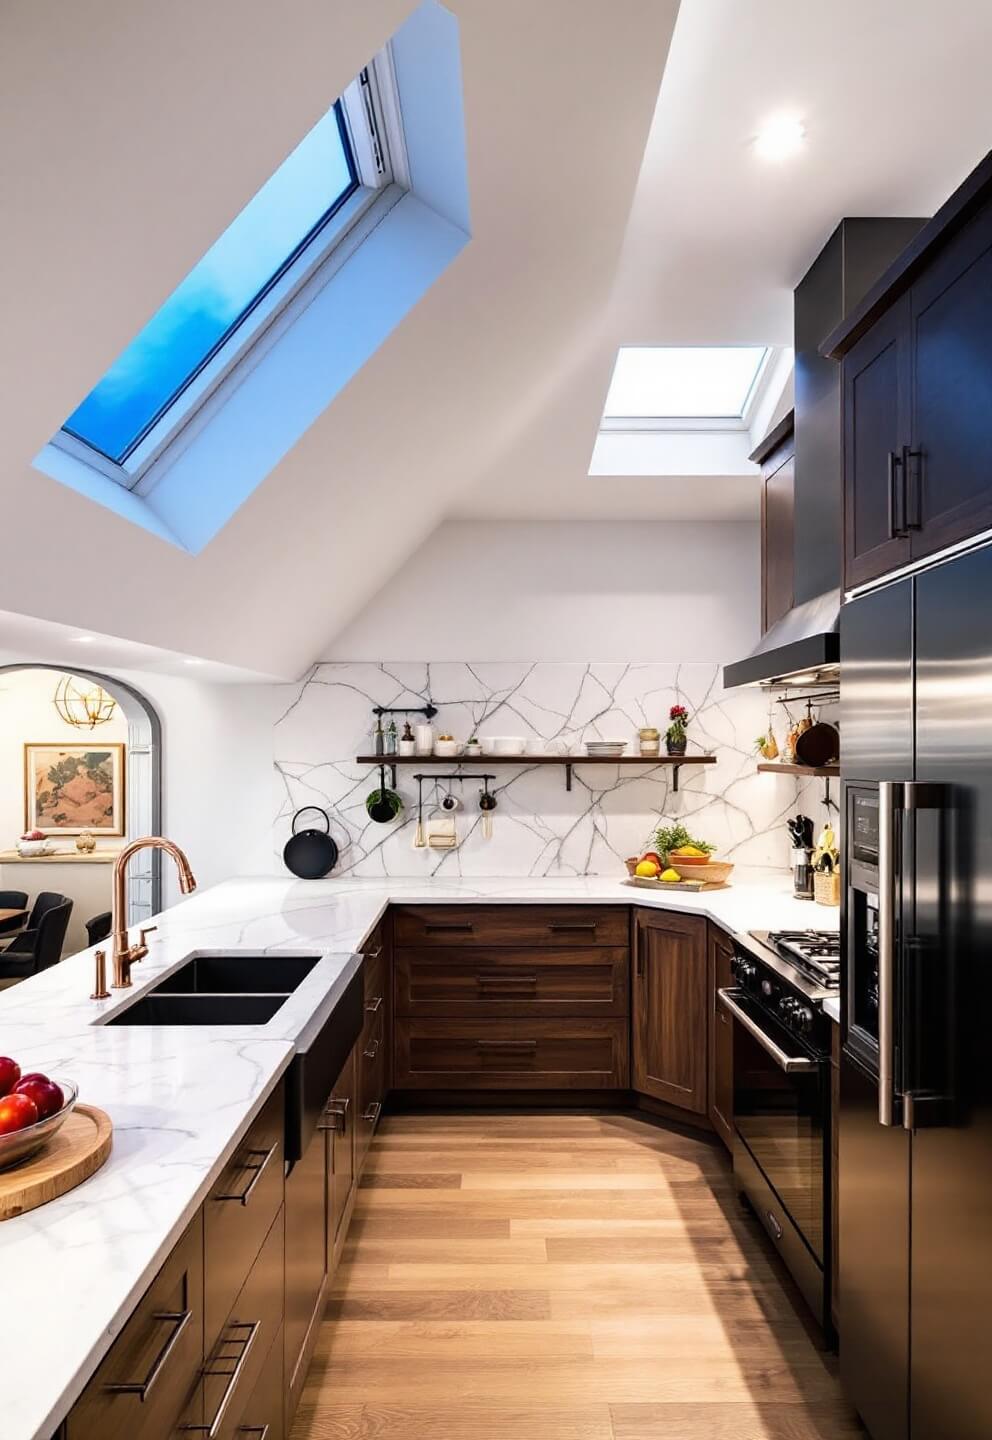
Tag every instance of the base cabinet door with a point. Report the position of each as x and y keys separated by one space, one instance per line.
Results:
x=306 y=1257
x=342 y=1107
x=721 y=1038
x=670 y=1010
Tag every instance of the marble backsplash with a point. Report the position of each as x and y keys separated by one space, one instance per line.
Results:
x=538 y=827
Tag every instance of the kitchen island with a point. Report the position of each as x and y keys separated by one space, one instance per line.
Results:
x=183 y=1098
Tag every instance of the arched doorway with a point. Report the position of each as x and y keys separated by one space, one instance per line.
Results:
x=144 y=781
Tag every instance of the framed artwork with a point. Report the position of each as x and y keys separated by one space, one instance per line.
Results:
x=70 y=788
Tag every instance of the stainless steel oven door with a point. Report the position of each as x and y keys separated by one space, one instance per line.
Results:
x=781 y=1113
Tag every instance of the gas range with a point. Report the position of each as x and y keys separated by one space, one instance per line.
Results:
x=815 y=953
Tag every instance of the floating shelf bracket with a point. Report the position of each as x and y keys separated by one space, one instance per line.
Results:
x=428 y=710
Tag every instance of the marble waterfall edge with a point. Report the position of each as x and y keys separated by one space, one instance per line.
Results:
x=539 y=829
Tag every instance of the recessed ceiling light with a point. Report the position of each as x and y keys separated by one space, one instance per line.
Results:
x=193 y=660
x=84 y=639
x=780 y=137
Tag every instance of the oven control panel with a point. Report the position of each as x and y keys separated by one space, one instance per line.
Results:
x=789 y=1006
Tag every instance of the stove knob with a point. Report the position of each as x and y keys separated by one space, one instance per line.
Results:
x=786 y=1006
x=767 y=989
x=743 y=968
x=803 y=1019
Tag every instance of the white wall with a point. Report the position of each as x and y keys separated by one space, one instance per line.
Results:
x=566 y=590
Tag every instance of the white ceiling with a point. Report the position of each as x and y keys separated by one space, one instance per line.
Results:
x=133 y=132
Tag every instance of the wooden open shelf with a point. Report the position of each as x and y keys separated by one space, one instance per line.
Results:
x=392 y=762
x=779 y=767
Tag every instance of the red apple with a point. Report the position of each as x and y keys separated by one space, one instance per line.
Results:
x=33 y=1075
x=10 y=1073
x=17 y=1112
x=45 y=1093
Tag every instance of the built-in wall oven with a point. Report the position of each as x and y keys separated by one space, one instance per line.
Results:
x=782 y=1115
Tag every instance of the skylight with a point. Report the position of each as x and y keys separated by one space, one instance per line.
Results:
x=668 y=383
x=219 y=293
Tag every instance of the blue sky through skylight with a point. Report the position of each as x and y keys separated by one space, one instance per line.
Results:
x=218 y=293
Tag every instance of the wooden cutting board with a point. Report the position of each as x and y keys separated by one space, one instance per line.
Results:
x=645 y=882
x=72 y=1155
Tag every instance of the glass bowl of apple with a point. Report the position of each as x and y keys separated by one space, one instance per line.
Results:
x=33 y=1107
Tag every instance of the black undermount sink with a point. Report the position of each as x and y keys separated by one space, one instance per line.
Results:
x=203 y=1009
x=246 y=974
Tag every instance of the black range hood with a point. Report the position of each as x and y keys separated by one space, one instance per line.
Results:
x=805 y=642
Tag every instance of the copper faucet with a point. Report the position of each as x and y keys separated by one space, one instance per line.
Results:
x=124 y=953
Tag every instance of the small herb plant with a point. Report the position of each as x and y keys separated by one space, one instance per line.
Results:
x=674 y=837
x=679 y=718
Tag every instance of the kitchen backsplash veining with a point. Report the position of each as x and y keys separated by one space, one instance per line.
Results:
x=537 y=827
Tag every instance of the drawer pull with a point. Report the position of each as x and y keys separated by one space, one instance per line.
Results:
x=142 y=1388
x=372 y=1113
x=256 y=1166
x=374 y=1004
x=260 y=1430
x=514 y=1047
x=572 y=925
x=373 y=1049
x=335 y=1113
x=233 y=1375
x=511 y=980
x=440 y=928
x=373 y=954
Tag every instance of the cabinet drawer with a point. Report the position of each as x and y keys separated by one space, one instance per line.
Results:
x=375 y=986
x=238 y=1212
x=151 y=1373
x=519 y=925
x=235 y=1362
x=456 y=981
x=511 y=1054
x=263 y=1415
x=371 y=1091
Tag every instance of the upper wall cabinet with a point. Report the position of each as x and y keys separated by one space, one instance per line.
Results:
x=917 y=368
x=776 y=456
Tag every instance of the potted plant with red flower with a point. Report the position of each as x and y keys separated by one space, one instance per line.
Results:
x=675 y=740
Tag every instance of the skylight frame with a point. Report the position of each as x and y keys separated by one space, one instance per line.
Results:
x=698 y=424
x=370 y=115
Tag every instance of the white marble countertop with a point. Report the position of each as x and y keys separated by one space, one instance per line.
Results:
x=181 y=1098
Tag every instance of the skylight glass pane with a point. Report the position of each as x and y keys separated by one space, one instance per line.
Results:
x=219 y=292
x=669 y=382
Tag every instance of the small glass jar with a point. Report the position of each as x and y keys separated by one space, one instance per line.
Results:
x=649 y=740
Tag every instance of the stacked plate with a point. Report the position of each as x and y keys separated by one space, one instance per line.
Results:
x=605 y=749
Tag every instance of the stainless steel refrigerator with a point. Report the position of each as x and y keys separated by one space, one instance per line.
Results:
x=915 y=1141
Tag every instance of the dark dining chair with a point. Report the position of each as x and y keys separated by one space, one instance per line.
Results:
x=39 y=946
x=98 y=928
x=12 y=900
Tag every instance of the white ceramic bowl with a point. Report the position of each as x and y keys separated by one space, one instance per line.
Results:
x=503 y=744
x=446 y=748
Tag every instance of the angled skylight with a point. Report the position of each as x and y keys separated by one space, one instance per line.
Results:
x=667 y=383
x=220 y=292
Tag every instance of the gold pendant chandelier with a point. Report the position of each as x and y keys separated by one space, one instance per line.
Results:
x=84 y=706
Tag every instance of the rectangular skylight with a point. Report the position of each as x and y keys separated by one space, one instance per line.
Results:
x=220 y=292
x=684 y=383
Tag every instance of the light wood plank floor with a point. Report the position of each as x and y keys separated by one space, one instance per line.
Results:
x=560 y=1277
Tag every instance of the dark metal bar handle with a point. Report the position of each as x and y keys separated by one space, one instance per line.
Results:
x=890 y=795
x=913 y=473
x=257 y=1167
x=514 y=1046
x=791 y=1064
x=253 y=1327
x=773 y=1221
x=572 y=925
x=260 y=1430
x=336 y=1111
x=897 y=530
x=484 y=979
x=373 y=1049
x=374 y=1004
x=444 y=929
x=372 y=1113
x=142 y=1388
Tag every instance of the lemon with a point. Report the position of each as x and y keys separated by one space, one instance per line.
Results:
x=647 y=868
x=670 y=875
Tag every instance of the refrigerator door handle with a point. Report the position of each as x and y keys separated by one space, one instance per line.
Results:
x=890 y=803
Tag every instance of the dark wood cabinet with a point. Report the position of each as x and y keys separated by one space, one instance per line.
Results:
x=721 y=1038
x=917 y=386
x=776 y=456
x=949 y=464
x=449 y=980
x=151 y=1375
x=341 y=1130
x=306 y=1259
x=563 y=1054
x=876 y=449
x=513 y=925
x=669 y=1008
